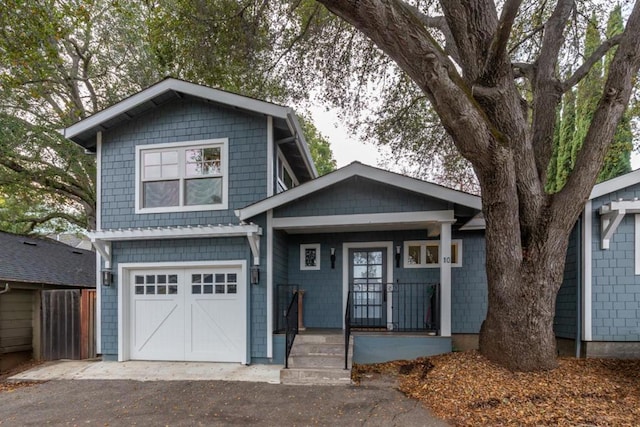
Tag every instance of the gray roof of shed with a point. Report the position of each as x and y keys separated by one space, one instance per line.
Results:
x=45 y=261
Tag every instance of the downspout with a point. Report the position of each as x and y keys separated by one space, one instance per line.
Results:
x=6 y=289
x=580 y=252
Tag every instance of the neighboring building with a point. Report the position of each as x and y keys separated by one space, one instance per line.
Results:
x=28 y=267
x=210 y=210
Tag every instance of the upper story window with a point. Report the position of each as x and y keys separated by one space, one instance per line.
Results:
x=185 y=176
x=426 y=253
x=286 y=178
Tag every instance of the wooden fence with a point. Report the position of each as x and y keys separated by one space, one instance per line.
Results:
x=68 y=324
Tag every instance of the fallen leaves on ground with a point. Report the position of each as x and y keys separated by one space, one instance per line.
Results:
x=466 y=389
x=8 y=385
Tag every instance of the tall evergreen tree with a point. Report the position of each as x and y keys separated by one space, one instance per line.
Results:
x=618 y=160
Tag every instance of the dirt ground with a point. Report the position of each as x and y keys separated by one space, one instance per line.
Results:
x=467 y=390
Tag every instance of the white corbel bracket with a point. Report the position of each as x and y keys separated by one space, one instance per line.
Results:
x=104 y=249
x=609 y=222
x=254 y=243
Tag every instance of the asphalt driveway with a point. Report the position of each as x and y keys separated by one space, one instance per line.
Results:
x=127 y=402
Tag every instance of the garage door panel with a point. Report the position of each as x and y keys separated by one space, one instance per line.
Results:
x=155 y=327
x=196 y=314
x=215 y=333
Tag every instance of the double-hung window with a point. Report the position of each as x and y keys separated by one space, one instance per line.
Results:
x=184 y=176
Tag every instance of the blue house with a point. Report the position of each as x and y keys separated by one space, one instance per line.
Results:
x=211 y=215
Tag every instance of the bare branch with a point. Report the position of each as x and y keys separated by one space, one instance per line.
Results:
x=597 y=55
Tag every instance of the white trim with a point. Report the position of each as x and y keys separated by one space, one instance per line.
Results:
x=475 y=223
x=423 y=253
x=587 y=233
x=615 y=184
x=285 y=165
x=345 y=268
x=179 y=232
x=170 y=84
x=270 y=157
x=203 y=92
x=98 y=312
x=445 y=280
x=407 y=219
x=303 y=248
x=637 y=244
x=375 y=174
x=183 y=145
x=124 y=269
x=269 y=271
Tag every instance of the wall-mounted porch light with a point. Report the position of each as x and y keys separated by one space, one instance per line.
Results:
x=333 y=258
x=107 y=277
x=398 y=256
x=255 y=275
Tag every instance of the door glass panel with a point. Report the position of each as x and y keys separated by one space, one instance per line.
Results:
x=359 y=258
x=375 y=257
x=360 y=271
x=374 y=271
x=173 y=289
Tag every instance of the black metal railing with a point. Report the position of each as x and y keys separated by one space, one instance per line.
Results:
x=291 y=322
x=415 y=307
x=282 y=298
x=347 y=331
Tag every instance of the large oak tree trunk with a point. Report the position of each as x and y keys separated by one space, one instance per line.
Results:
x=509 y=145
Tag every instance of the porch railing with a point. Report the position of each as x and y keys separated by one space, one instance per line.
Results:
x=398 y=307
x=347 y=331
x=291 y=328
x=282 y=298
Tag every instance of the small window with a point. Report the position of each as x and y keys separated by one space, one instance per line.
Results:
x=426 y=254
x=310 y=256
x=181 y=177
x=286 y=178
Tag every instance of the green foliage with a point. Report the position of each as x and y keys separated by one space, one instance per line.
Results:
x=577 y=111
x=319 y=147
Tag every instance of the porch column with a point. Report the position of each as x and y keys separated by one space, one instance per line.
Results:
x=445 y=279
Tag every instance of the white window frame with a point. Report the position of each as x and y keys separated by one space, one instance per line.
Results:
x=281 y=186
x=181 y=146
x=303 y=249
x=423 y=253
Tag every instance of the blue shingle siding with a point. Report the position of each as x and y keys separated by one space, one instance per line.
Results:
x=184 y=120
x=469 y=285
x=180 y=250
x=323 y=297
x=359 y=195
x=615 y=287
x=564 y=323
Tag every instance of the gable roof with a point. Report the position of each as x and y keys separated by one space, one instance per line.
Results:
x=44 y=261
x=169 y=89
x=358 y=169
x=615 y=184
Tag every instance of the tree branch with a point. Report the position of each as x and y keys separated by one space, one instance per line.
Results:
x=583 y=70
x=498 y=50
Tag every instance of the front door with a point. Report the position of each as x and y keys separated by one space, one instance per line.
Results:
x=367 y=270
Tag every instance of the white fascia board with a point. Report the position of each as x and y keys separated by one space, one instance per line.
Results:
x=615 y=184
x=175 y=232
x=181 y=86
x=418 y=218
x=353 y=169
x=301 y=142
x=475 y=223
x=629 y=206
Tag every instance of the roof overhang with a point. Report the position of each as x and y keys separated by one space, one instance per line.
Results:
x=102 y=239
x=615 y=184
x=365 y=171
x=169 y=89
x=429 y=220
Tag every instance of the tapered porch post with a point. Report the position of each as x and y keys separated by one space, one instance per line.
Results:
x=445 y=279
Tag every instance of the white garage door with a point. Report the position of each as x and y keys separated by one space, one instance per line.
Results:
x=188 y=314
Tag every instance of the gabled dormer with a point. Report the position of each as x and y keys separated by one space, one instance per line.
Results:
x=179 y=154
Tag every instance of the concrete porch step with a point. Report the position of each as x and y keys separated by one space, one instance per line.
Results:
x=315 y=361
x=315 y=376
x=305 y=338
x=308 y=349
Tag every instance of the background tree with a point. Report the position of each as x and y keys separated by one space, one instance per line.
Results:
x=577 y=114
x=497 y=98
